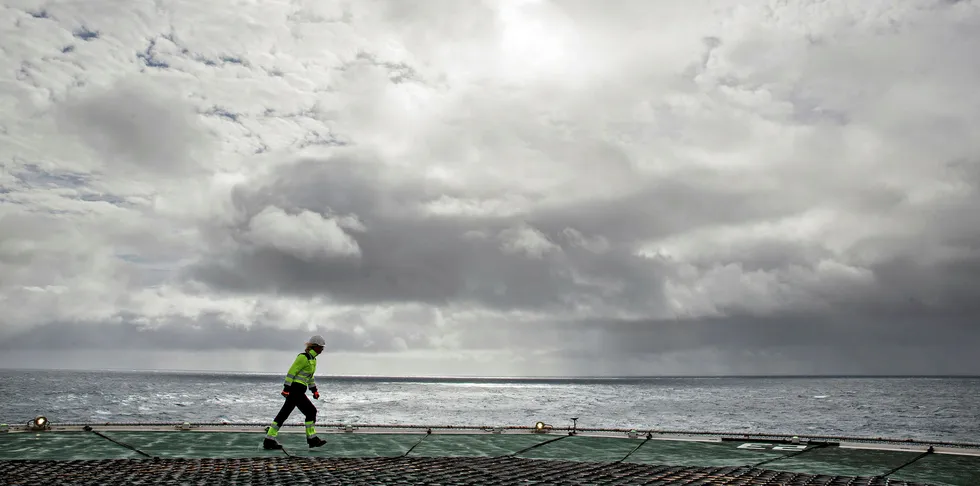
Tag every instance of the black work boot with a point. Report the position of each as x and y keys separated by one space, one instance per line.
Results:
x=315 y=441
x=269 y=444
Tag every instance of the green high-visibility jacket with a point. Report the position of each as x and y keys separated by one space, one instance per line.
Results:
x=302 y=370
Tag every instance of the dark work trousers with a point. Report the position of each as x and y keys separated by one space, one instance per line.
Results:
x=297 y=399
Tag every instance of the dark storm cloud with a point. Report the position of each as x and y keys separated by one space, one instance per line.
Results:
x=896 y=342
x=910 y=343
x=667 y=206
x=848 y=333
x=205 y=333
x=410 y=256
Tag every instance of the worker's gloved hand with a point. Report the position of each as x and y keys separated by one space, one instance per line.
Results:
x=316 y=394
x=285 y=391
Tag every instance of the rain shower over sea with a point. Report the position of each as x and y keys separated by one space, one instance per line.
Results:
x=924 y=408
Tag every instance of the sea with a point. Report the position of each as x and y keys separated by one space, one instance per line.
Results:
x=922 y=408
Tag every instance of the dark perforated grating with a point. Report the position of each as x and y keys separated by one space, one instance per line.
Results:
x=443 y=471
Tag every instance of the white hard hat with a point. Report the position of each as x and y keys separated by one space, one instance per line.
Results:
x=316 y=341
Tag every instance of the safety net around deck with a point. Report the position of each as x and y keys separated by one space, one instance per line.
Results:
x=403 y=470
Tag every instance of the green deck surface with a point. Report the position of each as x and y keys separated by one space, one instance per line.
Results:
x=937 y=469
x=847 y=461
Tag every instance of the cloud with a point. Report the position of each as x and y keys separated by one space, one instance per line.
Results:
x=746 y=188
x=307 y=235
x=407 y=254
x=133 y=123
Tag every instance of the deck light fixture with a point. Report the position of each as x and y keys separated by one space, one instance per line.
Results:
x=541 y=428
x=39 y=423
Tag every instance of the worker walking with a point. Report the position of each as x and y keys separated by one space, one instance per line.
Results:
x=299 y=378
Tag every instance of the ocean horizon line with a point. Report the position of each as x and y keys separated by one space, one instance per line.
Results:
x=481 y=378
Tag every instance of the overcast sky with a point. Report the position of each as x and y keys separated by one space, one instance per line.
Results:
x=520 y=187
